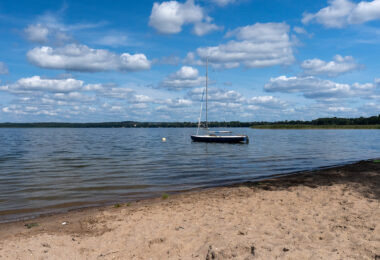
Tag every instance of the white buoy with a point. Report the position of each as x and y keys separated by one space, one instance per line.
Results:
x=163 y=139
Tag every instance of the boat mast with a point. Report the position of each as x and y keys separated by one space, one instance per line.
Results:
x=206 y=90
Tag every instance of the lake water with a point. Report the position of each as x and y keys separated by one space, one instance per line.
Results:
x=50 y=170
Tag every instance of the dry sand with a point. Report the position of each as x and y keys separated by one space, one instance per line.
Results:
x=327 y=214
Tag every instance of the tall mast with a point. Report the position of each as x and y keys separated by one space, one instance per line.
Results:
x=206 y=90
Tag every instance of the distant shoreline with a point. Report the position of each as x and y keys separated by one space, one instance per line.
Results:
x=277 y=126
x=168 y=125
x=372 y=122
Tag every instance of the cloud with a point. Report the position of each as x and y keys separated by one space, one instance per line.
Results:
x=186 y=77
x=117 y=93
x=191 y=59
x=73 y=96
x=179 y=102
x=63 y=98
x=138 y=98
x=39 y=98
x=139 y=106
x=299 y=30
x=339 y=65
x=317 y=110
x=94 y=87
x=340 y=13
x=169 y=17
x=45 y=110
x=14 y=109
x=70 y=90
x=175 y=106
x=3 y=68
x=78 y=57
x=36 y=83
x=258 y=45
x=341 y=109
x=134 y=62
x=201 y=29
x=216 y=95
x=37 y=33
x=223 y=2
x=114 y=39
x=120 y=93
x=228 y=104
x=316 y=88
x=366 y=11
x=169 y=60
x=267 y=102
x=49 y=28
x=372 y=108
x=53 y=21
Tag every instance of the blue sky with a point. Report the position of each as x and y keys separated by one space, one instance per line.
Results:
x=92 y=61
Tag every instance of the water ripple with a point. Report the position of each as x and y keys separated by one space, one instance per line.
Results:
x=53 y=169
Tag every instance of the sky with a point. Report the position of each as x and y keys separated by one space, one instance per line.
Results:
x=269 y=60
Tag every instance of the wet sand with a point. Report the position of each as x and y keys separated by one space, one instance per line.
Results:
x=326 y=214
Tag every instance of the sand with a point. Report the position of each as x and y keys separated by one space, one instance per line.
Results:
x=327 y=214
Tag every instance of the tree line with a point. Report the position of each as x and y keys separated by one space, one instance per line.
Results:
x=373 y=120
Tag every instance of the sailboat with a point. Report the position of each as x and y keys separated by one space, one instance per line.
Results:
x=215 y=136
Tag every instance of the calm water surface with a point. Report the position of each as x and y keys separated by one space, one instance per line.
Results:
x=50 y=170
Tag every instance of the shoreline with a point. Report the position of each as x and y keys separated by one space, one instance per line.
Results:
x=331 y=213
x=34 y=213
x=315 y=127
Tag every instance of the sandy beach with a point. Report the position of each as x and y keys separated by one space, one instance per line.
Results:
x=326 y=214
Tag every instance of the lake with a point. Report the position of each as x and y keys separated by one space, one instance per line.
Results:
x=47 y=170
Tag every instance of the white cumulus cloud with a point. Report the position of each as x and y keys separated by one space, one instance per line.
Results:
x=340 y=13
x=73 y=96
x=36 y=83
x=179 y=102
x=332 y=68
x=118 y=93
x=217 y=95
x=316 y=88
x=134 y=62
x=258 y=45
x=185 y=77
x=37 y=33
x=341 y=109
x=201 y=28
x=169 y=17
x=267 y=102
x=77 y=57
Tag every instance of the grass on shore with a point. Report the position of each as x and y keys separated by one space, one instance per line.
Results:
x=277 y=126
x=30 y=225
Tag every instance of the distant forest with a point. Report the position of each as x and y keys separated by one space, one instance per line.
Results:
x=373 y=120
